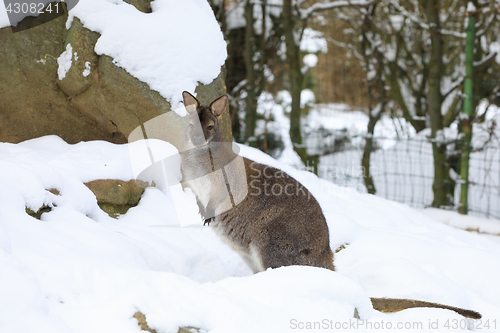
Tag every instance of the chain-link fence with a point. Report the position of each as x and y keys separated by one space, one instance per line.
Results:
x=403 y=171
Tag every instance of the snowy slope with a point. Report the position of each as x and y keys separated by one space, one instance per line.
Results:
x=77 y=270
x=486 y=226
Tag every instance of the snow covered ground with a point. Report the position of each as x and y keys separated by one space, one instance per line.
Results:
x=78 y=270
x=471 y=223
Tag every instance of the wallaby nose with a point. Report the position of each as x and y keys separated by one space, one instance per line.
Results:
x=197 y=139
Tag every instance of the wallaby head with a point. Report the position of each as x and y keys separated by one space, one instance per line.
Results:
x=204 y=121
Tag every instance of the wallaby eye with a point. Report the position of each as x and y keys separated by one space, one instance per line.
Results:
x=210 y=127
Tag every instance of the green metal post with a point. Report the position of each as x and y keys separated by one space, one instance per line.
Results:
x=468 y=108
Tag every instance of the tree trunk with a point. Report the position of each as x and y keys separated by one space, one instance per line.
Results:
x=251 y=99
x=374 y=118
x=468 y=108
x=374 y=115
x=367 y=150
x=434 y=101
x=295 y=78
x=262 y=47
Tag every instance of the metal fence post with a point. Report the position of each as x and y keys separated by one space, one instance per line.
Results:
x=468 y=108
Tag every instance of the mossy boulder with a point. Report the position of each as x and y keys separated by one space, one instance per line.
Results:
x=115 y=196
x=81 y=74
x=31 y=104
x=115 y=191
x=96 y=100
x=43 y=209
x=39 y=212
x=141 y=321
x=142 y=5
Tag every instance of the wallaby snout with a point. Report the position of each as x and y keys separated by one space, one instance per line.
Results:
x=198 y=140
x=194 y=133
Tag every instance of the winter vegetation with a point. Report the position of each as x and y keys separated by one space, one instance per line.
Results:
x=413 y=56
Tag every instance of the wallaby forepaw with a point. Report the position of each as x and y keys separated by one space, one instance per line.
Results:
x=207 y=221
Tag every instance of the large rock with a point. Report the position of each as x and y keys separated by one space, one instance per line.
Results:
x=107 y=104
x=141 y=321
x=115 y=196
x=84 y=58
x=115 y=191
x=31 y=104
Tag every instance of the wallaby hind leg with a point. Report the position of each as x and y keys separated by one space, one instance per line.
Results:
x=254 y=260
x=300 y=245
x=285 y=255
x=326 y=260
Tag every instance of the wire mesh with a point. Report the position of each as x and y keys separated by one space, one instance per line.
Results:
x=404 y=172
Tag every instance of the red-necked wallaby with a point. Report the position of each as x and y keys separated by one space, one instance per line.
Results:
x=264 y=214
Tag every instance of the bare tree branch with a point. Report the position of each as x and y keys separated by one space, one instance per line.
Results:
x=422 y=24
x=345 y=46
x=454 y=86
x=320 y=6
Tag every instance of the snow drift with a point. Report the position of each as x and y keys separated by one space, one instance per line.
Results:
x=78 y=270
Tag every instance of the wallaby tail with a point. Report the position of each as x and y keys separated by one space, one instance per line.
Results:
x=396 y=304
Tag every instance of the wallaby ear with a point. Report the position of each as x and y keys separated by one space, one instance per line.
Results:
x=190 y=102
x=219 y=105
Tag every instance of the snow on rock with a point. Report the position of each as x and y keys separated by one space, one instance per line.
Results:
x=4 y=18
x=64 y=61
x=78 y=270
x=147 y=45
x=86 y=71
